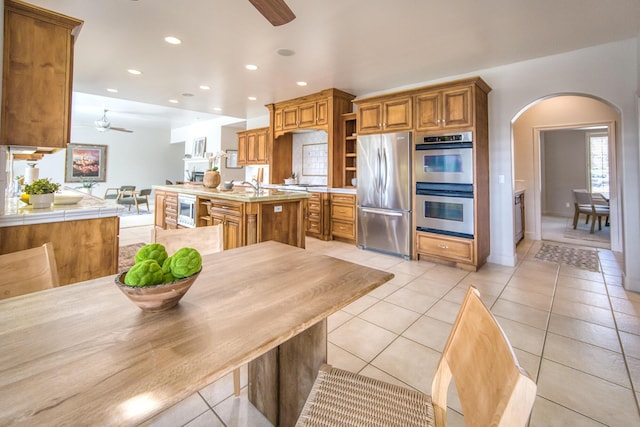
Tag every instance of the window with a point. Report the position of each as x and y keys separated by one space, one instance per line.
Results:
x=598 y=144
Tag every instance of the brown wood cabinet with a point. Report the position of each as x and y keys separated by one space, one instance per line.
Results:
x=343 y=217
x=322 y=111
x=37 y=75
x=447 y=248
x=318 y=214
x=349 y=146
x=230 y=214
x=253 y=146
x=389 y=114
x=84 y=249
x=444 y=109
x=166 y=209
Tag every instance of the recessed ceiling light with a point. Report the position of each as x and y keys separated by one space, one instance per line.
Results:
x=252 y=98
x=301 y=83
x=134 y=72
x=173 y=101
x=172 y=40
x=204 y=87
x=285 y=52
x=251 y=67
x=112 y=90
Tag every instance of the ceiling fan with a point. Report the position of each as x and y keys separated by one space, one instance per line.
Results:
x=276 y=11
x=103 y=124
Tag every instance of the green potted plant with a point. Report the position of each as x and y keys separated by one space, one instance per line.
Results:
x=211 y=178
x=41 y=192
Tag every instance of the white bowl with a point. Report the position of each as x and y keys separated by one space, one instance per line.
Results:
x=66 y=198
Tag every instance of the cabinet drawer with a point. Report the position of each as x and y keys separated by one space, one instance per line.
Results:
x=226 y=207
x=314 y=206
x=445 y=247
x=345 y=212
x=343 y=229
x=349 y=199
x=313 y=226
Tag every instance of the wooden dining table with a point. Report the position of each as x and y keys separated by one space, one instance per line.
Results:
x=83 y=354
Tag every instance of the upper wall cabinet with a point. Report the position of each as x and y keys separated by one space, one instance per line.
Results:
x=386 y=115
x=444 y=109
x=37 y=75
x=253 y=146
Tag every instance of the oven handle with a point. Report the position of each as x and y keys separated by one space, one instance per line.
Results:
x=461 y=195
x=381 y=212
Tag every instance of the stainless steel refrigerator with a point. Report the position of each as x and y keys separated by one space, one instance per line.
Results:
x=384 y=193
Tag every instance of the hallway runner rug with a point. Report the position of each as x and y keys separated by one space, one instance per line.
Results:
x=126 y=256
x=581 y=258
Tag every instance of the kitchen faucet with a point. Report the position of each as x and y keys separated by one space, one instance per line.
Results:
x=255 y=187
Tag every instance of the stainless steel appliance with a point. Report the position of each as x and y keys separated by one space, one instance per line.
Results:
x=384 y=193
x=444 y=158
x=445 y=209
x=186 y=210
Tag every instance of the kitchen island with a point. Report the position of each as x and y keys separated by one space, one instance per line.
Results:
x=84 y=235
x=247 y=216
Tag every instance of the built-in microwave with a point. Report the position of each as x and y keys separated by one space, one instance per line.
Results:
x=444 y=158
x=445 y=209
x=186 y=210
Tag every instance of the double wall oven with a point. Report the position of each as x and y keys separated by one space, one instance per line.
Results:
x=444 y=184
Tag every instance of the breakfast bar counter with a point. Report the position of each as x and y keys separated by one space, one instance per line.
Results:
x=85 y=355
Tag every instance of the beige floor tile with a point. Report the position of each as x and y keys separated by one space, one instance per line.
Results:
x=458 y=293
x=585 y=312
x=429 y=287
x=618 y=292
x=630 y=344
x=377 y=374
x=430 y=332
x=360 y=305
x=523 y=336
x=548 y=414
x=411 y=300
x=445 y=311
x=362 y=339
x=628 y=323
x=445 y=274
x=586 y=394
x=413 y=268
x=613 y=279
x=383 y=291
x=390 y=316
x=222 y=389
x=208 y=419
x=521 y=313
x=338 y=318
x=626 y=306
x=343 y=359
x=570 y=271
x=410 y=362
x=539 y=285
x=587 y=332
x=530 y=362
x=581 y=284
x=181 y=413
x=486 y=287
x=597 y=361
x=528 y=298
x=634 y=371
x=577 y=295
x=239 y=412
x=489 y=276
x=382 y=262
x=400 y=279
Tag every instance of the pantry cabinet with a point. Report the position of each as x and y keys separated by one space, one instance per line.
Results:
x=37 y=75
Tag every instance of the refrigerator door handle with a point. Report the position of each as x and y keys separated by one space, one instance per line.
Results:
x=381 y=212
x=386 y=170
x=378 y=185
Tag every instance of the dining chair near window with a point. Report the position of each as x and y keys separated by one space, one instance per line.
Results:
x=584 y=204
x=493 y=388
x=142 y=198
x=27 y=271
x=126 y=196
x=206 y=240
x=111 y=193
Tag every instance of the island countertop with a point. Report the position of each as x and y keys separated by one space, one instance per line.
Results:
x=17 y=212
x=238 y=193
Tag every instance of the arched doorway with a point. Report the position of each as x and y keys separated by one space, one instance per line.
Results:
x=561 y=112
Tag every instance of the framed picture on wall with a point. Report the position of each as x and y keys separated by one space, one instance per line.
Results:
x=232 y=160
x=86 y=163
x=199 y=147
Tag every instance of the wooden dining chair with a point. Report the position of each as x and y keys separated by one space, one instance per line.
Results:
x=27 y=271
x=205 y=240
x=584 y=204
x=493 y=388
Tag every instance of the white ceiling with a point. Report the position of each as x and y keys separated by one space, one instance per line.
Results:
x=359 y=46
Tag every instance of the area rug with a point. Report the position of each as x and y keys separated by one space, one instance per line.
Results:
x=127 y=255
x=582 y=258
x=582 y=232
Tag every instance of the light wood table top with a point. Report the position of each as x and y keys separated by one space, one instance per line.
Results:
x=83 y=354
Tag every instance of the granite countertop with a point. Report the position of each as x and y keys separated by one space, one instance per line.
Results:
x=17 y=212
x=239 y=193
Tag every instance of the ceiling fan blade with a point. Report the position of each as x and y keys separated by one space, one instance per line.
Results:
x=121 y=129
x=276 y=11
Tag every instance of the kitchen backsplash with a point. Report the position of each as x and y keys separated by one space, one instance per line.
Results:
x=310 y=159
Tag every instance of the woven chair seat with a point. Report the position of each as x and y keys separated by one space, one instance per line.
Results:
x=342 y=398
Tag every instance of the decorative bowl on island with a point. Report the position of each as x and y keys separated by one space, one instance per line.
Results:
x=156 y=297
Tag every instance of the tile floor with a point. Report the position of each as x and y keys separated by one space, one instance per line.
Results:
x=576 y=332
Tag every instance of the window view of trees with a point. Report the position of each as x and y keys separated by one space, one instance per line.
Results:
x=598 y=162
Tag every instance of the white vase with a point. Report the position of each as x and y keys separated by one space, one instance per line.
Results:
x=41 y=201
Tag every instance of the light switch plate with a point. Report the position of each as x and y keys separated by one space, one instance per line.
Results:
x=277 y=208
